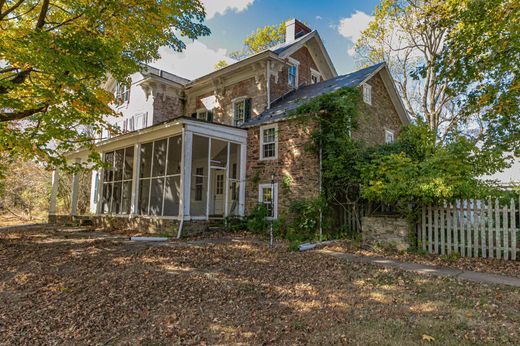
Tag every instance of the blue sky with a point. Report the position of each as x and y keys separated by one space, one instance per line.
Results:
x=339 y=23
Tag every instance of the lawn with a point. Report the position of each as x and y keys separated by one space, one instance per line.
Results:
x=91 y=288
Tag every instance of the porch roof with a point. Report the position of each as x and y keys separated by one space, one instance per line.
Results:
x=164 y=129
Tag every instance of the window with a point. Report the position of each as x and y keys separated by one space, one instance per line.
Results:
x=202 y=114
x=268 y=195
x=367 y=94
x=117 y=181
x=389 y=136
x=241 y=111
x=292 y=73
x=199 y=183
x=220 y=184
x=315 y=76
x=268 y=142
x=159 y=177
x=122 y=93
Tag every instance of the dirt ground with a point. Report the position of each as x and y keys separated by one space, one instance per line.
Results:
x=69 y=287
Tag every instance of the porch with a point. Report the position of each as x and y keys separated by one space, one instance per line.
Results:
x=183 y=170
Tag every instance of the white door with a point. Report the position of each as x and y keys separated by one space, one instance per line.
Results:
x=218 y=192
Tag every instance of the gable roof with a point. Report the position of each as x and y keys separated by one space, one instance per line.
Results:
x=280 y=108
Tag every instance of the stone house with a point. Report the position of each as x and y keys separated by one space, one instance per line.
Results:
x=193 y=151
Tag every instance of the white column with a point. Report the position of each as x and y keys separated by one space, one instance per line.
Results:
x=54 y=191
x=208 y=187
x=242 y=186
x=94 y=187
x=75 y=193
x=134 y=206
x=226 y=194
x=186 y=172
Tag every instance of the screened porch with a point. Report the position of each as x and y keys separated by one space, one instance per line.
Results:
x=185 y=169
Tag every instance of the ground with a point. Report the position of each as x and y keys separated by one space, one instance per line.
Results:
x=75 y=287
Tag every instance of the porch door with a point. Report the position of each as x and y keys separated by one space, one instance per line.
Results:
x=217 y=193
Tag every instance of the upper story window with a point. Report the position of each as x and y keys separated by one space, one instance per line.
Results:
x=315 y=76
x=139 y=121
x=122 y=93
x=269 y=142
x=241 y=111
x=389 y=136
x=367 y=94
x=292 y=73
x=203 y=114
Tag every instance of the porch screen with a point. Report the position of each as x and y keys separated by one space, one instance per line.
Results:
x=117 y=181
x=159 y=177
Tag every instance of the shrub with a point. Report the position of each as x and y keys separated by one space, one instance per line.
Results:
x=306 y=215
x=235 y=224
x=256 y=221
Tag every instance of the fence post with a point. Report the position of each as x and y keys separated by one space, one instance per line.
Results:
x=448 y=226
x=513 y=227
x=455 y=228
x=430 y=233
x=423 y=228
x=505 y=231
x=497 y=229
x=436 y=229
x=476 y=228
x=490 y=229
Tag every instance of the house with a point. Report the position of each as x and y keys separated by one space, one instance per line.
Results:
x=213 y=147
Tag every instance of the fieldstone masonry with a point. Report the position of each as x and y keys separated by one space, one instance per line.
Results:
x=386 y=231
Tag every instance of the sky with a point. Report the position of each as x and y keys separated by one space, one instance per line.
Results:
x=339 y=23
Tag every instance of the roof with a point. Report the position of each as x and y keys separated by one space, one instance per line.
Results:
x=281 y=107
x=282 y=47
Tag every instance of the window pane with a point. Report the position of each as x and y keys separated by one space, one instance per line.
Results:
x=144 y=190
x=127 y=197
x=129 y=163
x=109 y=171
x=116 y=197
x=172 y=195
x=159 y=158
x=174 y=155
x=200 y=164
x=118 y=164
x=269 y=150
x=146 y=160
x=107 y=195
x=156 y=196
x=218 y=153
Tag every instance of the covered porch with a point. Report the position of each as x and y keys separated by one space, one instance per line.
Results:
x=185 y=170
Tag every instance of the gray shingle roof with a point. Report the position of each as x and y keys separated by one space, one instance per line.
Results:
x=282 y=47
x=281 y=107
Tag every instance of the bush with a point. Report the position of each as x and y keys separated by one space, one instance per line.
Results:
x=306 y=214
x=235 y=224
x=256 y=221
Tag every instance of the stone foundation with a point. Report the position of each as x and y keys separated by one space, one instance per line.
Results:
x=386 y=231
x=134 y=225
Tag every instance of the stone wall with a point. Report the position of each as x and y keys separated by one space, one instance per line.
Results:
x=385 y=231
x=375 y=118
x=166 y=107
x=295 y=165
x=304 y=74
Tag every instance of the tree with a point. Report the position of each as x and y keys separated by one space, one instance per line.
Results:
x=220 y=64
x=480 y=60
x=260 y=40
x=56 y=55
x=408 y=35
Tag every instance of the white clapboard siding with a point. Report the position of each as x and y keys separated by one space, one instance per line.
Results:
x=472 y=228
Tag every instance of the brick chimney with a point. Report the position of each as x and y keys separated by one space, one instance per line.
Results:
x=295 y=29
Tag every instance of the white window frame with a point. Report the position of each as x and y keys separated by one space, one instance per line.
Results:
x=274 y=186
x=296 y=64
x=367 y=94
x=122 y=94
x=389 y=133
x=262 y=143
x=241 y=99
x=202 y=114
x=316 y=74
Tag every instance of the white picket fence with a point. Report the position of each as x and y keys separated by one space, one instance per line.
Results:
x=472 y=228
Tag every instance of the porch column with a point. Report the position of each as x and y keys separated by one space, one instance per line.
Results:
x=54 y=191
x=75 y=192
x=187 y=143
x=242 y=185
x=134 y=206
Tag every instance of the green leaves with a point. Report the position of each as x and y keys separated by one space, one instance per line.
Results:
x=51 y=77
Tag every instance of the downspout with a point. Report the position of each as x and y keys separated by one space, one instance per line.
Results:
x=181 y=200
x=268 y=80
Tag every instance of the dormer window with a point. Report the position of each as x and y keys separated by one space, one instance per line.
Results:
x=204 y=114
x=122 y=93
x=367 y=94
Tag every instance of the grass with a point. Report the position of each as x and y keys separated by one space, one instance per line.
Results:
x=84 y=288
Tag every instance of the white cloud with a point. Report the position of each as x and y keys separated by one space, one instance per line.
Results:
x=319 y=17
x=353 y=26
x=214 y=7
x=195 y=61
